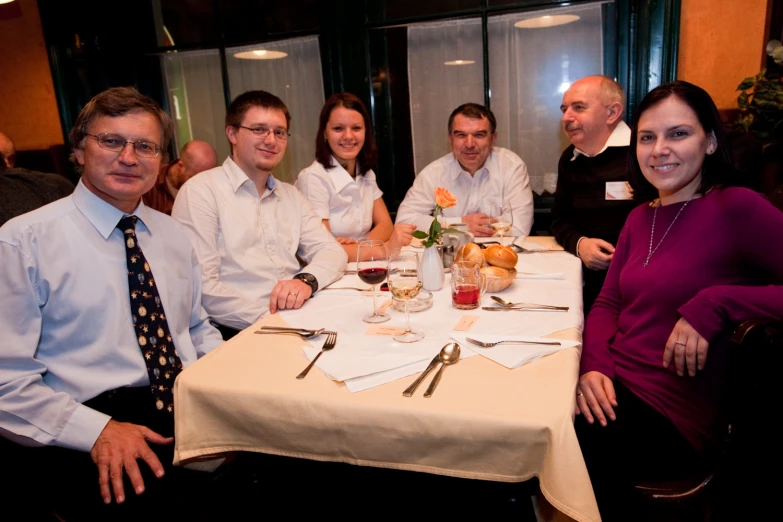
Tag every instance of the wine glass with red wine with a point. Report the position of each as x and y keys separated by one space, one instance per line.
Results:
x=372 y=266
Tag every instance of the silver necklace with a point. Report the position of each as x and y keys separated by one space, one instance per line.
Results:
x=652 y=232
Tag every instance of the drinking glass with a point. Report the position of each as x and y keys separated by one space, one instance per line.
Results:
x=468 y=285
x=372 y=267
x=500 y=216
x=404 y=285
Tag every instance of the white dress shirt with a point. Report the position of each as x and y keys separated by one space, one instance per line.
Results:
x=503 y=176
x=247 y=242
x=334 y=195
x=65 y=317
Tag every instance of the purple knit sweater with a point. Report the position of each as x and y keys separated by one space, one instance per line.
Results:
x=720 y=264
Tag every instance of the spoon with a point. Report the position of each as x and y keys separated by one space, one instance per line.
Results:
x=503 y=302
x=448 y=355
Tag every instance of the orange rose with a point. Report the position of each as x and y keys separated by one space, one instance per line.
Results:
x=444 y=198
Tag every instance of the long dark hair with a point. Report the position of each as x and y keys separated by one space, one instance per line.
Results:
x=323 y=153
x=718 y=167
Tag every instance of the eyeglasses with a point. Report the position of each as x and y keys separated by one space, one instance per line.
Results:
x=263 y=132
x=116 y=143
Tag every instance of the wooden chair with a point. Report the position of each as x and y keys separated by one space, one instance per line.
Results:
x=738 y=487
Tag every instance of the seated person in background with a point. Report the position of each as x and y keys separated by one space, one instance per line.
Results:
x=100 y=308
x=340 y=184
x=8 y=150
x=592 y=199
x=475 y=172
x=24 y=190
x=249 y=229
x=702 y=257
x=196 y=156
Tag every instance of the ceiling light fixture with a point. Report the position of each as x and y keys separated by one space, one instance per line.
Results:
x=546 y=21
x=260 y=54
x=460 y=62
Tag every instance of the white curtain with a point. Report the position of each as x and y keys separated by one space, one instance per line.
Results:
x=435 y=88
x=530 y=69
x=195 y=88
x=298 y=81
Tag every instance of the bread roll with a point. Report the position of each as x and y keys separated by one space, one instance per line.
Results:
x=495 y=271
x=471 y=252
x=502 y=256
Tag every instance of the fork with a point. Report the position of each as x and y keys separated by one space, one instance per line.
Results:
x=331 y=340
x=490 y=345
x=304 y=334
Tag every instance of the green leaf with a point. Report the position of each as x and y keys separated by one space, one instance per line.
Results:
x=742 y=101
x=453 y=231
x=747 y=83
x=428 y=243
x=419 y=234
x=436 y=228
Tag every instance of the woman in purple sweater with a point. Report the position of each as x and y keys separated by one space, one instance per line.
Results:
x=689 y=266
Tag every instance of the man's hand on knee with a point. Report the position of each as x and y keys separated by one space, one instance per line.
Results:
x=118 y=446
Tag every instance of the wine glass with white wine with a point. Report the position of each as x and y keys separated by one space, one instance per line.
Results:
x=501 y=218
x=404 y=285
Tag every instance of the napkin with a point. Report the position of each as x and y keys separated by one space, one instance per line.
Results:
x=347 y=291
x=553 y=275
x=377 y=379
x=513 y=355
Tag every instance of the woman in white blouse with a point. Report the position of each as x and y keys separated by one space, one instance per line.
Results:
x=340 y=184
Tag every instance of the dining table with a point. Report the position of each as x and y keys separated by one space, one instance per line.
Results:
x=502 y=414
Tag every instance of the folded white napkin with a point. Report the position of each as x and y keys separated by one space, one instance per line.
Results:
x=529 y=245
x=513 y=355
x=376 y=379
x=349 y=292
x=553 y=275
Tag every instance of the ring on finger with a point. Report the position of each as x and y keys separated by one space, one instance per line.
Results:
x=579 y=394
x=680 y=343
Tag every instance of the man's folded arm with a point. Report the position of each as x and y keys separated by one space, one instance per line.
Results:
x=225 y=304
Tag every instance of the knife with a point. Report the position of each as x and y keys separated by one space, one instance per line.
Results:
x=412 y=388
x=524 y=309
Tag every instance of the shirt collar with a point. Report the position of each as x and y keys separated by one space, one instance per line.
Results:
x=620 y=137
x=457 y=168
x=238 y=178
x=104 y=216
x=339 y=175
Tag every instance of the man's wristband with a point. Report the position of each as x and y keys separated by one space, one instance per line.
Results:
x=309 y=280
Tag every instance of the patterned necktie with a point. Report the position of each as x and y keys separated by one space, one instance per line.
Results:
x=149 y=320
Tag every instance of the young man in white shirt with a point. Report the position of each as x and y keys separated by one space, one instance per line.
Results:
x=476 y=172
x=100 y=308
x=249 y=229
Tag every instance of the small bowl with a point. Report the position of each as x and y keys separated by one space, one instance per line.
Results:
x=498 y=284
x=421 y=302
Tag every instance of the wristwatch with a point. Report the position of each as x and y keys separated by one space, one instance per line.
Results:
x=309 y=280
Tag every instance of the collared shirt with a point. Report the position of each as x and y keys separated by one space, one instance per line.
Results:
x=503 y=176
x=247 y=242
x=159 y=196
x=345 y=201
x=65 y=317
x=620 y=137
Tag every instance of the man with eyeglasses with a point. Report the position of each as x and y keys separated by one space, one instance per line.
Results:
x=100 y=308
x=250 y=230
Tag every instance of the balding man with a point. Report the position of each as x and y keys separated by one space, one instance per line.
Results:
x=593 y=199
x=7 y=150
x=196 y=156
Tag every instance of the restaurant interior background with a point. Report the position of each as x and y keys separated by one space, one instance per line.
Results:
x=411 y=61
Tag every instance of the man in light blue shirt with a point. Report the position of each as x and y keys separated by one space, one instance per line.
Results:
x=75 y=373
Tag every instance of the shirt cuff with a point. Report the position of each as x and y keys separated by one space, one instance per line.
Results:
x=577 y=246
x=82 y=429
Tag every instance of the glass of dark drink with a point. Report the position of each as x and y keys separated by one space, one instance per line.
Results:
x=468 y=285
x=372 y=267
